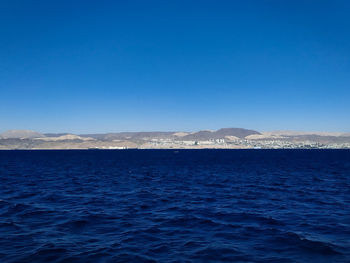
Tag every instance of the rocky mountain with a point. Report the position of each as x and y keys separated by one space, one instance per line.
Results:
x=321 y=137
x=130 y=135
x=220 y=134
x=200 y=135
x=55 y=134
x=237 y=132
x=20 y=134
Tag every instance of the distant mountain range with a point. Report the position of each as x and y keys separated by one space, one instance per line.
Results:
x=20 y=134
x=225 y=137
x=220 y=134
x=200 y=135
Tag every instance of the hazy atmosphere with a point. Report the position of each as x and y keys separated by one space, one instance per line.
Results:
x=108 y=66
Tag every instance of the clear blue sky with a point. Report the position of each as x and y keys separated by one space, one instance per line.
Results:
x=103 y=66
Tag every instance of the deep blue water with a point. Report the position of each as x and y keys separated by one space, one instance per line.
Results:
x=175 y=206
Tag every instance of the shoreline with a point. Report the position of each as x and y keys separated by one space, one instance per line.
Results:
x=174 y=149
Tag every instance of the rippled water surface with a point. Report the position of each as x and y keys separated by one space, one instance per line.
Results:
x=175 y=206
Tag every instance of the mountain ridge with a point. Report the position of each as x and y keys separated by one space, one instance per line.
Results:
x=230 y=138
x=221 y=133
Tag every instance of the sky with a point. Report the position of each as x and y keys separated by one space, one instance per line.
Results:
x=109 y=66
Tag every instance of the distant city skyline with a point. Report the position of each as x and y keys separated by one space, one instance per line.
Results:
x=111 y=66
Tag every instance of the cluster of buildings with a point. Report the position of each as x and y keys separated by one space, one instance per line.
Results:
x=284 y=144
x=244 y=143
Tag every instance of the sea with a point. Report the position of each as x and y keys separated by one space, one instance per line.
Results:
x=175 y=206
